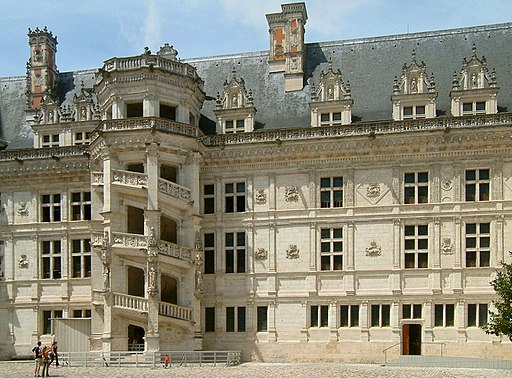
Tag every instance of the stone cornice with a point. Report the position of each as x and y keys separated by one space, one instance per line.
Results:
x=55 y=153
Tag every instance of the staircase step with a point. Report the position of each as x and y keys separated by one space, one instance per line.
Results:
x=455 y=362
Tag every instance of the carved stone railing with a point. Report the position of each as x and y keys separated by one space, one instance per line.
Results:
x=360 y=129
x=43 y=153
x=97 y=239
x=173 y=189
x=130 y=302
x=129 y=178
x=147 y=123
x=97 y=178
x=175 y=250
x=154 y=61
x=174 y=311
x=129 y=240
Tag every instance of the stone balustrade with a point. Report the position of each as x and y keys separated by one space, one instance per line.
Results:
x=129 y=240
x=44 y=153
x=174 y=311
x=175 y=250
x=148 y=123
x=130 y=302
x=359 y=129
x=174 y=190
x=129 y=178
x=133 y=63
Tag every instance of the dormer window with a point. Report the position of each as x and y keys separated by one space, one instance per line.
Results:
x=474 y=90
x=331 y=102
x=235 y=108
x=82 y=138
x=414 y=112
x=414 y=95
x=235 y=126
x=51 y=140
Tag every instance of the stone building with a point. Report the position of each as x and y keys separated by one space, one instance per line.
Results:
x=316 y=201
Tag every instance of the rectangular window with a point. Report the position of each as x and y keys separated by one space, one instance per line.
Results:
x=413 y=112
x=319 y=316
x=331 y=192
x=47 y=320
x=477 y=314
x=82 y=138
x=209 y=319
x=81 y=258
x=235 y=197
x=416 y=246
x=209 y=198
x=472 y=108
x=82 y=313
x=477 y=185
x=51 y=259
x=235 y=319
x=331 y=249
x=81 y=206
x=261 y=318
x=444 y=315
x=349 y=315
x=411 y=311
x=380 y=315
x=50 y=140
x=50 y=208
x=209 y=253
x=235 y=252
x=478 y=239
x=416 y=187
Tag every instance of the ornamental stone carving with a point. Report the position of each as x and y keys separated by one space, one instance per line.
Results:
x=261 y=196
x=291 y=194
x=23 y=209
x=292 y=252
x=446 y=246
x=446 y=184
x=23 y=261
x=373 y=190
x=373 y=250
x=260 y=254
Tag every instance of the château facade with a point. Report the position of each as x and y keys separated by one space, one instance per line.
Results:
x=316 y=201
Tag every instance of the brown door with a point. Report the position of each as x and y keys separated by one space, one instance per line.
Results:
x=405 y=339
x=411 y=339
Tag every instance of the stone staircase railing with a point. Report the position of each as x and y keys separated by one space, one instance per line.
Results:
x=174 y=311
x=174 y=190
x=129 y=178
x=175 y=250
x=130 y=302
x=129 y=240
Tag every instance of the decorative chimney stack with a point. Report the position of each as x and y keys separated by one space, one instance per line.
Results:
x=287 y=53
x=41 y=68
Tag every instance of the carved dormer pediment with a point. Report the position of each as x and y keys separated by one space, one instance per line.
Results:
x=84 y=109
x=50 y=107
x=414 y=94
x=331 y=101
x=235 y=107
x=474 y=89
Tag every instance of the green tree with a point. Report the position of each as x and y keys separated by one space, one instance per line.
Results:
x=500 y=321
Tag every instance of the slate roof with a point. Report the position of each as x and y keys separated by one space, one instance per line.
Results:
x=369 y=64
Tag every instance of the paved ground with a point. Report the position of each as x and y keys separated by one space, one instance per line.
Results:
x=255 y=370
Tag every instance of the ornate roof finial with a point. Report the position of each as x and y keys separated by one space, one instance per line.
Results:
x=414 y=55
x=147 y=51
x=473 y=49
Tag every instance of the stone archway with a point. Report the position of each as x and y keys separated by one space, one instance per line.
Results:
x=168 y=289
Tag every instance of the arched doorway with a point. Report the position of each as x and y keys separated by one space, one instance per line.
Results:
x=411 y=339
x=135 y=338
x=135 y=281
x=169 y=289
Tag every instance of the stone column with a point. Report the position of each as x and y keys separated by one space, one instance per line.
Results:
x=152 y=274
x=152 y=175
x=460 y=319
x=150 y=106
x=428 y=335
x=363 y=322
x=272 y=333
x=333 y=317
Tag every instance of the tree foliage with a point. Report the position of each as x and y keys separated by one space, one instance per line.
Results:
x=500 y=320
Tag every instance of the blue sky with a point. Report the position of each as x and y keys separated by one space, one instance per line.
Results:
x=91 y=31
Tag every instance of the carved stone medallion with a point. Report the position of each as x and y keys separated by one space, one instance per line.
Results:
x=291 y=194
x=261 y=196
x=292 y=252
x=373 y=250
x=260 y=254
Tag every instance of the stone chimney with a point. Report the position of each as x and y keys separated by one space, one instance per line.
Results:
x=287 y=53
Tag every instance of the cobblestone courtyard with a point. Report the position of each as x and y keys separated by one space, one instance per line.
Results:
x=254 y=370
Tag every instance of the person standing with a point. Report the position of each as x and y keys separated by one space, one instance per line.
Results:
x=166 y=361
x=38 y=358
x=45 y=354
x=54 y=353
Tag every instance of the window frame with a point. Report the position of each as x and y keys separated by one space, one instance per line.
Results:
x=234 y=256
x=350 y=313
x=80 y=209
x=236 y=319
x=332 y=190
x=209 y=253
x=319 y=316
x=331 y=249
x=234 y=199
x=481 y=187
x=418 y=250
x=208 y=199
x=83 y=256
x=51 y=259
x=416 y=186
x=480 y=238
x=52 y=207
x=479 y=316
x=380 y=315
x=441 y=310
